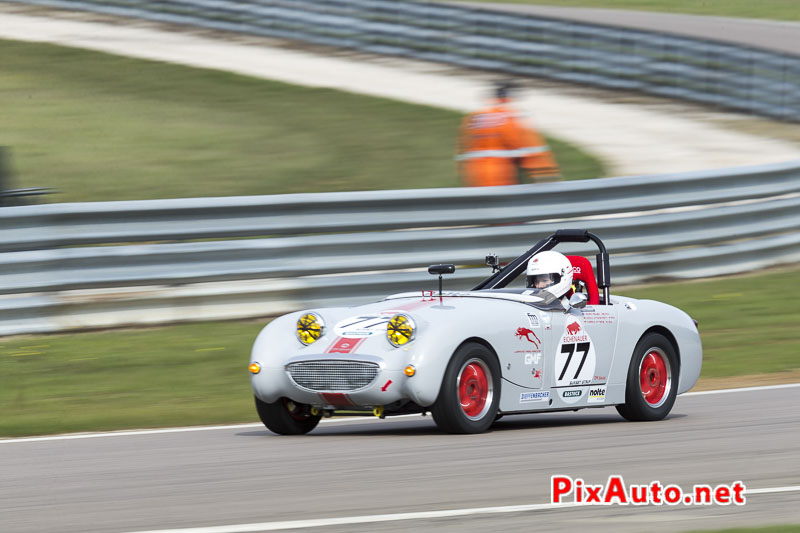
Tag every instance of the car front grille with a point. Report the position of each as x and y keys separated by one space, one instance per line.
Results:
x=333 y=376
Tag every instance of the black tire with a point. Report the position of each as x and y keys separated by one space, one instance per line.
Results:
x=286 y=417
x=645 y=398
x=474 y=374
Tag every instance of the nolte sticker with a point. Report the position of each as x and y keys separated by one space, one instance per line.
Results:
x=597 y=395
x=534 y=396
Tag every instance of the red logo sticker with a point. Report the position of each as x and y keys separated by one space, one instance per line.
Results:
x=345 y=345
x=573 y=328
x=525 y=332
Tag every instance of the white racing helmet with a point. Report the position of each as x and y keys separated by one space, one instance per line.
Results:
x=551 y=271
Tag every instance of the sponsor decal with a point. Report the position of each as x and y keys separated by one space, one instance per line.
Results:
x=597 y=395
x=345 y=345
x=533 y=358
x=593 y=316
x=537 y=373
x=386 y=386
x=575 y=356
x=540 y=396
x=576 y=270
x=528 y=334
x=571 y=395
x=533 y=319
x=600 y=378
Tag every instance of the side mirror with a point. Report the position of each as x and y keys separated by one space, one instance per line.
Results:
x=441 y=269
x=578 y=300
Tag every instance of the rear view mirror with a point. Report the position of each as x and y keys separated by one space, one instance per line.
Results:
x=578 y=300
x=441 y=269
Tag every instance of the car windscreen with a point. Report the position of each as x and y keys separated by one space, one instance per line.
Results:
x=548 y=302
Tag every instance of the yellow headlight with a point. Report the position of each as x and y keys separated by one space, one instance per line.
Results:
x=400 y=330
x=310 y=327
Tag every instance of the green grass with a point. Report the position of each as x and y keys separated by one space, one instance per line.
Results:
x=748 y=324
x=101 y=127
x=170 y=376
x=196 y=373
x=763 y=9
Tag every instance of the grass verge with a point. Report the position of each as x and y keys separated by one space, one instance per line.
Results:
x=96 y=127
x=196 y=373
x=764 y=9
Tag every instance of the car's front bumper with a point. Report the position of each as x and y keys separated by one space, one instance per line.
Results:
x=357 y=382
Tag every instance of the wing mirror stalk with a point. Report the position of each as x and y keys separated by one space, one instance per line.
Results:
x=441 y=269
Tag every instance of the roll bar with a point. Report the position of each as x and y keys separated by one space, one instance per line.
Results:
x=500 y=279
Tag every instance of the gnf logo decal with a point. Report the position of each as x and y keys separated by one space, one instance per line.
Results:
x=575 y=355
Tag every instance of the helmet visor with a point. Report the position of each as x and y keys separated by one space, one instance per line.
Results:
x=542 y=281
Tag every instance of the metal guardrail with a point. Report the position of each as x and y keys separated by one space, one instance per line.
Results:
x=743 y=78
x=62 y=225
x=347 y=248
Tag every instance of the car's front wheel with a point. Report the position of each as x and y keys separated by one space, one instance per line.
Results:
x=470 y=391
x=286 y=417
x=652 y=383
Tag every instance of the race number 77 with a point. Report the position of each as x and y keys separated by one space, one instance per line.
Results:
x=570 y=349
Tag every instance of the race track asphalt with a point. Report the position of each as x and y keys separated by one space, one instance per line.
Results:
x=346 y=468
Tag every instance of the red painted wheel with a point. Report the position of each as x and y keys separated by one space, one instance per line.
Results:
x=652 y=382
x=474 y=389
x=654 y=377
x=470 y=392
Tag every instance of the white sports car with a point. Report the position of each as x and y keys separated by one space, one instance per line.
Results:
x=469 y=357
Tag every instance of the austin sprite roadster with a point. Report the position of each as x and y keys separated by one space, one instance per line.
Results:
x=469 y=357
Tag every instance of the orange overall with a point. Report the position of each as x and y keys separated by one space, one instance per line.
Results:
x=494 y=146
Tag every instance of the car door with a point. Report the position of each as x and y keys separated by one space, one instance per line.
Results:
x=583 y=350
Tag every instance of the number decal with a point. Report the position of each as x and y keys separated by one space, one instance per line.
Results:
x=568 y=349
x=582 y=347
x=575 y=356
x=361 y=326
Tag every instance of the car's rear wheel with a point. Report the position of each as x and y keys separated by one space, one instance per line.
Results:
x=286 y=417
x=652 y=383
x=470 y=391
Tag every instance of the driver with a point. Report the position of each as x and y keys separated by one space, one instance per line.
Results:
x=551 y=271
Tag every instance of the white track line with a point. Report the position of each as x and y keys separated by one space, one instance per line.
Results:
x=76 y=436
x=366 y=519
x=743 y=389
x=422 y=515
